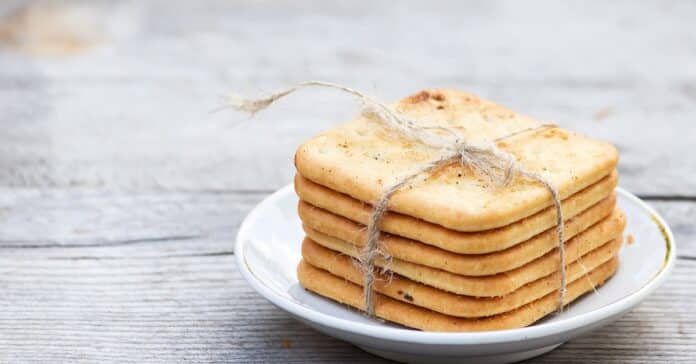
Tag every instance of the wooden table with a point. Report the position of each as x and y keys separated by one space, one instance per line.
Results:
x=120 y=194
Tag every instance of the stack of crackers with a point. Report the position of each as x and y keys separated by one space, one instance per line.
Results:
x=457 y=253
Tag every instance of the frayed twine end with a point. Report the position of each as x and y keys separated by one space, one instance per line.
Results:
x=240 y=103
x=252 y=106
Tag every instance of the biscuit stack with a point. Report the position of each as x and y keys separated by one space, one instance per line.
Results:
x=459 y=253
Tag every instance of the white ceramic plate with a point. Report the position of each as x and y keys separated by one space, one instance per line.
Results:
x=268 y=251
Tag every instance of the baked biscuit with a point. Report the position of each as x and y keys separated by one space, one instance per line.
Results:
x=434 y=299
x=360 y=158
x=494 y=285
x=321 y=221
x=455 y=241
x=342 y=291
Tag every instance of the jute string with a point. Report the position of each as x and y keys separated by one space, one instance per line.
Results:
x=484 y=159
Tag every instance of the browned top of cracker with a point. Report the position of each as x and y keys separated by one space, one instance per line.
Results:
x=360 y=158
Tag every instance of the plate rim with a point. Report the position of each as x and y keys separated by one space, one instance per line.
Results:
x=403 y=335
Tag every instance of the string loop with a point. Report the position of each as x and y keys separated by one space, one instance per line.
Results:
x=484 y=160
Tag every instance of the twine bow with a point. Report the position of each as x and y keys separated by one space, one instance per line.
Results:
x=484 y=159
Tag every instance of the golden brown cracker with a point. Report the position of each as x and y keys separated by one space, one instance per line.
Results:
x=455 y=241
x=342 y=291
x=409 y=291
x=322 y=221
x=360 y=158
x=497 y=284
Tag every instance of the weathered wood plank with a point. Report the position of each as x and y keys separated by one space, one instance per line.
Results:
x=130 y=221
x=198 y=309
x=148 y=222
x=85 y=295
x=194 y=309
x=133 y=112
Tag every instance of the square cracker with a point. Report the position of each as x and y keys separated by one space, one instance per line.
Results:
x=607 y=233
x=360 y=158
x=410 y=291
x=479 y=242
x=317 y=221
x=340 y=290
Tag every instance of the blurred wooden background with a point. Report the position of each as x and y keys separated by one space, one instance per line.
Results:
x=121 y=193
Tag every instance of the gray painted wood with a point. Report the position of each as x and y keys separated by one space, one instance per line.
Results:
x=120 y=194
x=198 y=309
x=94 y=220
x=98 y=275
x=133 y=112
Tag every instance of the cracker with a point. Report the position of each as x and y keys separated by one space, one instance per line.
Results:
x=360 y=158
x=322 y=221
x=455 y=241
x=492 y=285
x=342 y=291
x=496 y=285
x=409 y=291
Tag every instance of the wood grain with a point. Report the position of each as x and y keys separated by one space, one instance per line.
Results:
x=162 y=286
x=198 y=309
x=134 y=112
x=121 y=194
